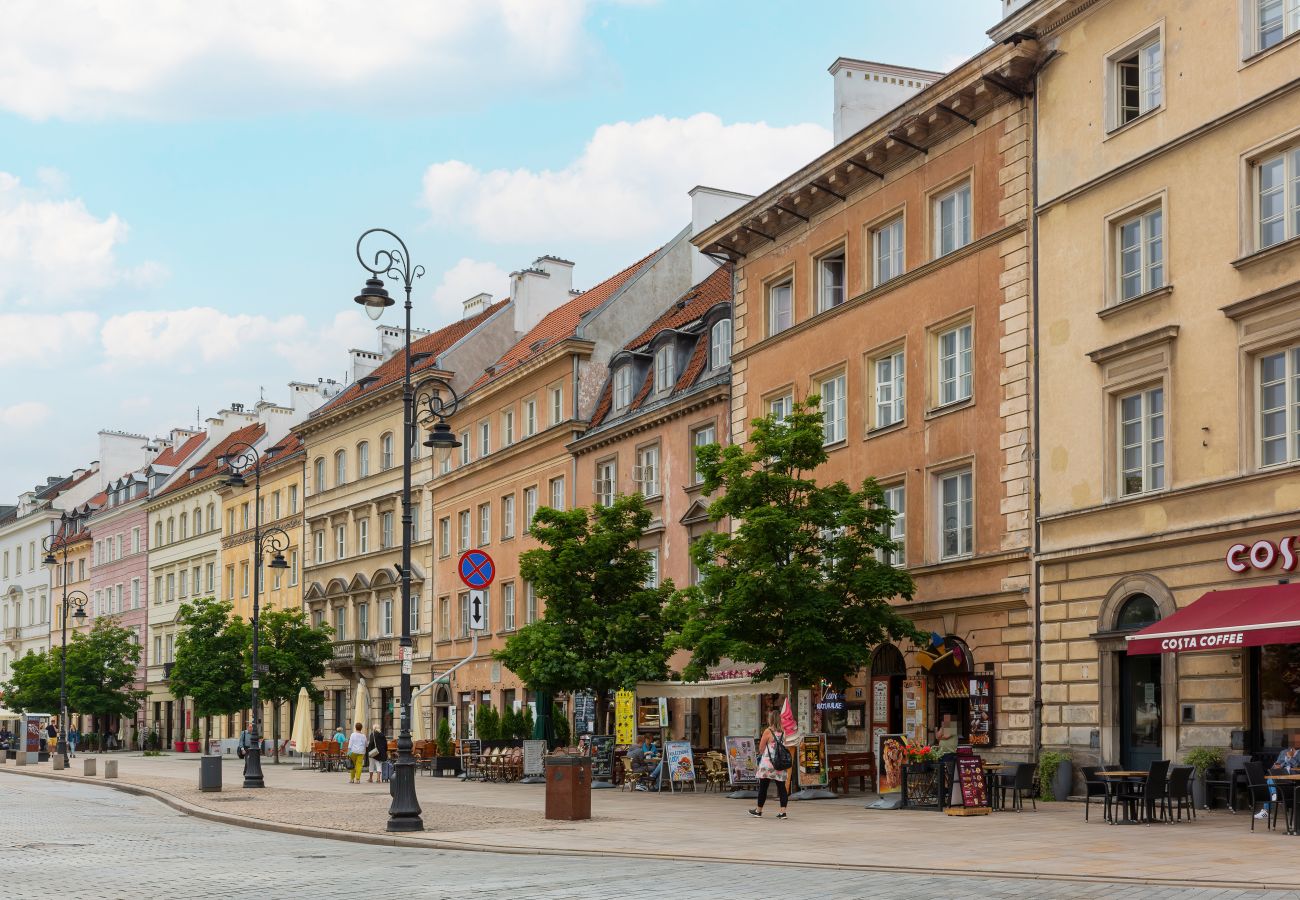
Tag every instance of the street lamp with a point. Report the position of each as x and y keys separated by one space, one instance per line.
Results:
x=240 y=458
x=59 y=540
x=438 y=401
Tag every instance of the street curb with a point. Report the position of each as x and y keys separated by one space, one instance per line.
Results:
x=384 y=840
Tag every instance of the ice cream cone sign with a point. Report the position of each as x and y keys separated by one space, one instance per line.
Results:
x=788 y=724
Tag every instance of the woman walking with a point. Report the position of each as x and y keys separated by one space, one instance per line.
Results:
x=356 y=754
x=377 y=752
x=768 y=772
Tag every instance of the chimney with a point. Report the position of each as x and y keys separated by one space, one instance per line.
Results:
x=390 y=339
x=475 y=305
x=363 y=363
x=709 y=205
x=539 y=289
x=865 y=91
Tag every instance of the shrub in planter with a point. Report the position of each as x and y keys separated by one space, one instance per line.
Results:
x=561 y=725
x=444 y=738
x=1202 y=760
x=178 y=746
x=193 y=745
x=526 y=724
x=1055 y=775
x=487 y=724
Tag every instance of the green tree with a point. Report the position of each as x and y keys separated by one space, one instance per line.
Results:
x=603 y=628
x=33 y=684
x=103 y=664
x=444 y=737
x=525 y=719
x=797 y=584
x=487 y=723
x=209 y=663
x=294 y=652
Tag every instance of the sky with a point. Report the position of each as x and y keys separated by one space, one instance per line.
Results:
x=182 y=185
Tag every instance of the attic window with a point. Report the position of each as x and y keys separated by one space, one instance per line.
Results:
x=537 y=345
x=366 y=381
x=622 y=387
x=665 y=368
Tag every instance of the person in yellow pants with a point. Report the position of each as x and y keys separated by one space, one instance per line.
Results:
x=356 y=753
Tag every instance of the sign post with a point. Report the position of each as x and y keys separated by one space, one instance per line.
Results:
x=477 y=571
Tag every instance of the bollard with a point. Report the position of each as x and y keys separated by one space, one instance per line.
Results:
x=89 y=765
x=20 y=758
x=110 y=768
x=58 y=762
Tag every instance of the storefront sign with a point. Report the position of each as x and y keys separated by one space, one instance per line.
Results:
x=534 y=751
x=1263 y=555
x=831 y=701
x=812 y=761
x=1203 y=642
x=584 y=712
x=602 y=756
x=742 y=759
x=968 y=790
x=681 y=764
x=624 y=718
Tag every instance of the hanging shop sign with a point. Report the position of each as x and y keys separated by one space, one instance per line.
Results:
x=831 y=701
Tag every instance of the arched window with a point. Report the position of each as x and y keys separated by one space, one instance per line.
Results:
x=887 y=660
x=185 y=518
x=198 y=520
x=171 y=529
x=157 y=533
x=1138 y=611
x=720 y=344
x=363 y=459
x=386 y=452
x=340 y=468
x=319 y=478
x=212 y=517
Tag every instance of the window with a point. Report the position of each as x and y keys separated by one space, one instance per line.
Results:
x=464 y=448
x=1141 y=254
x=444 y=619
x=1275 y=20
x=606 y=481
x=896 y=500
x=363 y=535
x=652 y=569
x=830 y=280
x=484 y=524
x=158 y=583
x=557 y=493
x=185 y=522
x=243 y=510
x=720 y=344
x=484 y=439
x=956 y=514
x=530 y=417
x=171 y=648
x=230 y=586
x=889 y=374
x=779 y=408
x=444 y=536
x=508 y=606
x=463 y=519
x=363 y=621
x=293 y=499
x=386 y=452
x=135 y=592
x=530 y=507
x=665 y=368
x=952 y=220
x=1278 y=197
x=463 y=597
x=293 y=567
x=363 y=459
x=507 y=516
x=319 y=475
x=701 y=437
x=318 y=547
x=1138 y=78
x=780 y=307
x=530 y=603
x=340 y=468
x=1142 y=442
x=184 y=585
x=385 y=530
x=887 y=251
x=340 y=623
x=646 y=473
x=340 y=541
x=157 y=540
x=415 y=613
x=243 y=580
x=622 y=387
x=1279 y=407
x=955 y=364
x=171 y=535
x=834 y=408
x=557 y=405
x=157 y=649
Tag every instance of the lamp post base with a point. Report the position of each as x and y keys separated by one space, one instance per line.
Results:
x=253 y=769
x=404 y=813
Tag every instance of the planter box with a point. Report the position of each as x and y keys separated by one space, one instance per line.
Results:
x=178 y=746
x=192 y=746
x=1063 y=780
x=446 y=764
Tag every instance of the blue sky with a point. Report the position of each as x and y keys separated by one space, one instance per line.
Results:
x=181 y=185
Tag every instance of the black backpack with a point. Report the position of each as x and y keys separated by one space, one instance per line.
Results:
x=781 y=758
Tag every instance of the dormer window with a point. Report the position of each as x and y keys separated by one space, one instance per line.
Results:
x=720 y=344
x=665 y=368
x=622 y=387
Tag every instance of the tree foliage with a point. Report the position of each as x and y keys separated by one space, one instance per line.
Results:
x=796 y=584
x=209 y=663
x=33 y=684
x=602 y=628
x=294 y=653
x=102 y=671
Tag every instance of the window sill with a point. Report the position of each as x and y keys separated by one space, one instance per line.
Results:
x=1133 y=123
x=947 y=408
x=839 y=444
x=1120 y=500
x=883 y=430
x=1259 y=255
x=1119 y=306
x=1264 y=54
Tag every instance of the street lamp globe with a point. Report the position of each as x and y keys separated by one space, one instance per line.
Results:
x=279 y=562
x=374 y=298
x=441 y=440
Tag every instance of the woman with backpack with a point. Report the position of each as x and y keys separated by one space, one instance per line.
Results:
x=774 y=761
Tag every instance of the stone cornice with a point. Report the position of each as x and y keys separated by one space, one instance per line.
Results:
x=681 y=406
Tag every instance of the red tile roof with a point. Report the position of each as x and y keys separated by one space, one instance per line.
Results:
x=209 y=465
x=174 y=456
x=560 y=323
x=390 y=371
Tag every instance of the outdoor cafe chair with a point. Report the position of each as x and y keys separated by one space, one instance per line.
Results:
x=1149 y=793
x=1179 y=793
x=1261 y=792
x=1095 y=787
x=1020 y=783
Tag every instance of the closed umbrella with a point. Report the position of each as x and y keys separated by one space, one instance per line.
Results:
x=417 y=721
x=361 y=711
x=300 y=733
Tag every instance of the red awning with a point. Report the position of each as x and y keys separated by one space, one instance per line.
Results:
x=1225 y=620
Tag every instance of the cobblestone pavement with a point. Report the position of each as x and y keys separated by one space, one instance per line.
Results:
x=82 y=841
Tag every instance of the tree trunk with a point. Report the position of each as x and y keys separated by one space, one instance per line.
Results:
x=275 y=730
x=207 y=734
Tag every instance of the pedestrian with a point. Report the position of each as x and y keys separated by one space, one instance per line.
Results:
x=768 y=770
x=246 y=743
x=52 y=734
x=73 y=737
x=111 y=742
x=340 y=738
x=377 y=752
x=356 y=753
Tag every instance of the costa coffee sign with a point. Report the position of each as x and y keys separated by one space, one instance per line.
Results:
x=1203 y=642
x=1263 y=555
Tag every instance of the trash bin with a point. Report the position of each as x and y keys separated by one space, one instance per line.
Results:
x=568 y=787
x=209 y=773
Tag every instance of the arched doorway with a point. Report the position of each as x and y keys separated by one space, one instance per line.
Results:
x=887 y=672
x=441 y=707
x=1141 y=741
x=1138 y=693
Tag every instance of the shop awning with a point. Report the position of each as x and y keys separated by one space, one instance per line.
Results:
x=1226 y=620
x=722 y=687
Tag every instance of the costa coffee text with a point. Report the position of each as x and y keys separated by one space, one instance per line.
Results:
x=1203 y=642
x=1262 y=555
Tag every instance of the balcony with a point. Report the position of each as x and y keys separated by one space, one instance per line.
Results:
x=352 y=655
x=11 y=635
x=386 y=649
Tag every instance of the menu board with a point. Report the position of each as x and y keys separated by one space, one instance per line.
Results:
x=681 y=763
x=602 y=756
x=624 y=718
x=968 y=788
x=889 y=762
x=584 y=712
x=742 y=759
x=914 y=710
x=534 y=752
x=470 y=747
x=980 y=728
x=812 y=761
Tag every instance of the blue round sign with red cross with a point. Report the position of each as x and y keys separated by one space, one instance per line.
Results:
x=476 y=569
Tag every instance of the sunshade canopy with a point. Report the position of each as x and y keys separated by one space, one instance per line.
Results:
x=1226 y=620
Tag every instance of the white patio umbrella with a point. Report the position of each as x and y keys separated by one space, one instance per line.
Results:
x=300 y=732
x=417 y=721
x=361 y=710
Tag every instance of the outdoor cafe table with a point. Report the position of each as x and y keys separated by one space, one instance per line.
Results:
x=1114 y=780
x=991 y=790
x=1291 y=817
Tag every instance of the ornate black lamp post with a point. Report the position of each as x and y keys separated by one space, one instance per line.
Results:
x=437 y=401
x=59 y=540
x=239 y=459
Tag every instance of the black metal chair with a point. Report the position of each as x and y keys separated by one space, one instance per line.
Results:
x=1095 y=787
x=1261 y=792
x=1179 y=793
x=1021 y=784
x=1150 y=792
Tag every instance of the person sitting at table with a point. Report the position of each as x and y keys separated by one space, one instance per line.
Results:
x=1287 y=762
x=648 y=745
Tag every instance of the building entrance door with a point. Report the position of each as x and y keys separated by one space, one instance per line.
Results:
x=1140 y=732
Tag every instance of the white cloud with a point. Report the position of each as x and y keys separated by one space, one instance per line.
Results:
x=462 y=281
x=90 y=59
x=54 y=249
x=45 y=338
x=630 y=181
x=24 y=415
